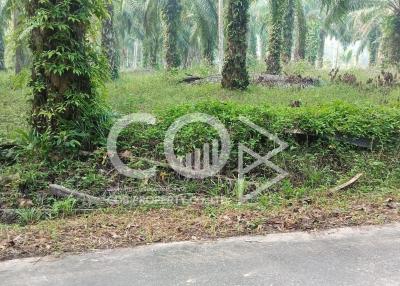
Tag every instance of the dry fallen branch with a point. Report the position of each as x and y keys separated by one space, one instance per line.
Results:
x=60 y=191
x=347 y=184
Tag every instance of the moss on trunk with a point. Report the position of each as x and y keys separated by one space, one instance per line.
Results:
x=288 y=25
x=171 y=15
x=301 y=24
x=2 y=49
x=234 y=72
x=273 y=60
x=109 y=42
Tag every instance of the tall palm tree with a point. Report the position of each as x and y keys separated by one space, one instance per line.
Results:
x=67 y=70
x=3 y=23
x=2 y=49
x=288 y=26
x=205 y=25
x=14 y=11
x=109 y=42
x=171 y=15
x=275 y=37
x=234 y=72
x=143 y=24
x=20 y=55
x=382 y=14
x=301 y=24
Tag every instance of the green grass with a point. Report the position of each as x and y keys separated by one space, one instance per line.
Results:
x=148 y=92
x=325 y=110
x=13 y=105
x=157 y=91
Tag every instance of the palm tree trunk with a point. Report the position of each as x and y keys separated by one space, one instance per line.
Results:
x=67 y=99
x=373 y=46
x=392 y=41
x=19 y=50
x=2 y=46
x=221 y=33
x=208 y=51
x=252 y=41
x=288 y=20
x=108 y=42
x=151 y=50
x=154 y=52
x=321 y=48
x=234 y=72
x=300 y=50
x=273 y=60
x=171 y=15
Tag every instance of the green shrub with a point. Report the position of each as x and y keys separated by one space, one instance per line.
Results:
x=63 y=208
x=21 y=80
x=28 y=216
x=381 y=125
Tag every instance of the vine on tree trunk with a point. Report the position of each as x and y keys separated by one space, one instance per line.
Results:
x=67 y=70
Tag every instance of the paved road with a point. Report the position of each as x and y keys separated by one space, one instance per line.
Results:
x=366 y=256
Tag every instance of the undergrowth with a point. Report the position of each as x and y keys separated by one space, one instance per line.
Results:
x=322 y=133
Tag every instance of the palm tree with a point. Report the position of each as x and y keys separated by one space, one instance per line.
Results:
x=15 y=10
x=383 y=15
x=20 y=55
x=275 y=37
x=153 y=32
x=301 y=24
x=171 y=16
x=142 y=25
x=288 y=30
x=2 y=48
x=108 y=42
x=373 y=44
x=234 y=72
x=67 y=70
x=3 y=22
x=205 y=26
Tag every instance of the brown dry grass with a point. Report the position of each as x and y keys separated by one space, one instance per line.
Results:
x=122 y=228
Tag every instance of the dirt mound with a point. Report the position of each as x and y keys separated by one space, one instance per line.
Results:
x=286 y=80
x=262 y=79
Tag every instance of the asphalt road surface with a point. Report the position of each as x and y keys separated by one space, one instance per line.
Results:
x=359 y=256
